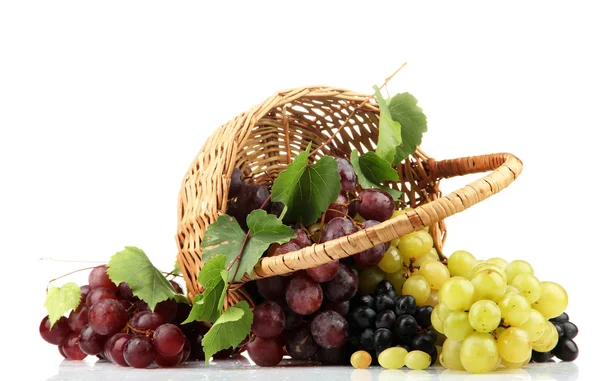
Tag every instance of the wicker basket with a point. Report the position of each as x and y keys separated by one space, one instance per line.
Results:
x=257 y=141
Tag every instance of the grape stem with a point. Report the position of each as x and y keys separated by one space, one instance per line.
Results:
x=239 y=256
x=67 y=274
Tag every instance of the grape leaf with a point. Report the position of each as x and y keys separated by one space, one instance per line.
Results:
x=208 y=305
x=146 y=281
x=404 y=109
x=307 y=189
x=225 y=236
x=229 y=330
x=390 y=134
x=372 y=170
x=59 y=300
x=176 y=269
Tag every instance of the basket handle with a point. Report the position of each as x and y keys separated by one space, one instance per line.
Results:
x=506 y=168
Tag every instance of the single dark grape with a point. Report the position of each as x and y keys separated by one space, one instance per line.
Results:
x=433 y=333
x=405 y=346
x=363 y=316
x=265 y=352
x=353 y=205
x=566 y=350
x=99 y=293
x=272 y=288
x=168 y=339
x=375 y=204
x=183 y=311
x=405 y=305
x=329 y=329
x=301 y=239
x=343 y=287
x=383 y=302
x=383 y=286
x=300 y=344
x=115 y=346
x=167 y=361
x=78 y=318
x=71 y=348
x=176 y=287
x=197 y=351
x=303 y=294
x=98 y=277
x=107 y=317
x=541 y=356
x=277 y=249
x=559 y=329
x=332 y=356
x=406 y=326
x=434 y=355
x=423 y=342
x=85 y=290
x=366 y=339
x=292 y=319
x=167 y=309
x=139 y=352
x=341 y=308
x=362 y=300
x=90 y=342
x=59 y=332
x=324 y=272
x=336 y=228
x=570 y=330
x=124 y=291
x=269 y=320
x=382 y=339
x=372 y=256
x=385 y=319
x=560 y=318
x=145 y=321
x=338 y=208
x=423 y=316
x=236 y=184
x=347 y=175
x=251 y=197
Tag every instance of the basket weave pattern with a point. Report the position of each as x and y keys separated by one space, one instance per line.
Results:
x=263 y=140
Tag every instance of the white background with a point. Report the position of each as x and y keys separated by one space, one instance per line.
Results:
x=104 y=105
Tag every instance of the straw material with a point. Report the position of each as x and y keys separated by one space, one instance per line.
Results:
x=263 y=140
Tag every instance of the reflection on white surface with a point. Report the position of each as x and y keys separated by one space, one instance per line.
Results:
x=242 y=370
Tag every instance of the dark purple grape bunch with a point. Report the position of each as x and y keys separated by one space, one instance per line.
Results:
x=114 y=325
x=565 y=349
x=385 y=319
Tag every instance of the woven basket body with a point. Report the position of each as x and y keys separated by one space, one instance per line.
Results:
x=263 y=140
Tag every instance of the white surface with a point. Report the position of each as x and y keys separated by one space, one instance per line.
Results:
x=103 y=106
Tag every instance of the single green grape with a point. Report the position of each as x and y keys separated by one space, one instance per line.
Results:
x=529 y=286
x=535 y=325
x=433 y=299
x=489 y=285
x=436 y=322
x=515 y=309
x=397 y=279
x=460 y=263
x=450 y=355
x=418 y=287
x=479 y=353
x=498 y=262
x=417 y=360
x=435 y=273
x=514 y=345
x=457 y=326
x=548 y=340
x=431 y=255
x=457 y=293
x=369 y=278
x=553 y=300
x=416 y=244
x=517 y=267
x=391 y=261
x=485 y=316
x=392 y=358
x=486 y=267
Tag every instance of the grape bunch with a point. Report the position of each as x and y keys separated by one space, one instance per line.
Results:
x=387 y=326
x=565 y=349
x=113 y=324
x=495 y=313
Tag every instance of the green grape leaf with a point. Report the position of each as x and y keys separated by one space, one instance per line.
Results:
x=146 y=281
x=225 y=236
x=208 y=305
x=60 y=300
x=229 y=330
x=176 y=269
x=390 y=134
x=371 y=171
x=307 y=189
x=404 y=110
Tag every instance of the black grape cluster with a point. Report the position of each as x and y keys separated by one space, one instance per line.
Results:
x=565 y=349
x=115 y=325
x=385 y=319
